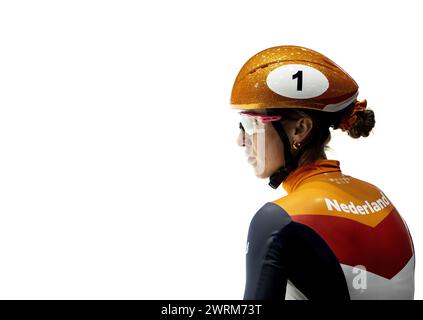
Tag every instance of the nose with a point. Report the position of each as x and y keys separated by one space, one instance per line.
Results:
x=241 y=138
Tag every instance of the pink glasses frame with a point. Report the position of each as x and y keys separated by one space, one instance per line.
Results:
x=263 y=119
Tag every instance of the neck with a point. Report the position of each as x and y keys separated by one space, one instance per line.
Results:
x=322 y=156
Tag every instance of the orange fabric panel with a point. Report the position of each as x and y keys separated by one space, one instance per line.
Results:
x=323 y=190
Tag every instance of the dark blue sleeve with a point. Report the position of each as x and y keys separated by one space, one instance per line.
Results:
x=279 y=249
x=265 y=277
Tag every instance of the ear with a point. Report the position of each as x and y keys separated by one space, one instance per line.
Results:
x=302 y=129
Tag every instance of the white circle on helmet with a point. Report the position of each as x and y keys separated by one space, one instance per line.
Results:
x=297 y=81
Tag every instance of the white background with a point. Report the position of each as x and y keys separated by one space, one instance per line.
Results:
x=119 y=172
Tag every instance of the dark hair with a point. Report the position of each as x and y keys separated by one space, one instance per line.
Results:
x=316 y=142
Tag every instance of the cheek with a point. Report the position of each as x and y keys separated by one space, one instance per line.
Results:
x=274 y=152
x=254 y=143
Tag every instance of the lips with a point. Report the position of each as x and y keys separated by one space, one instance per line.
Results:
x=251 y=160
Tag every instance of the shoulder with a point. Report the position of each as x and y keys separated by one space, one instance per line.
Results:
x=312 y=196
x=268 y=220
x=272 y=228
x=271 y=213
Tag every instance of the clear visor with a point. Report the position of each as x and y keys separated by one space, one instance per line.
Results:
x=250 y=124
x=252 y=137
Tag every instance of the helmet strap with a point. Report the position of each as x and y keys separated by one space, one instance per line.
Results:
x=291 y=162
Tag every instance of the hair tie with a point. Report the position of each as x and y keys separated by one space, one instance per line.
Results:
x=348 y=120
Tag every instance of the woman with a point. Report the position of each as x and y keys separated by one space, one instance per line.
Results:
x=332 y=236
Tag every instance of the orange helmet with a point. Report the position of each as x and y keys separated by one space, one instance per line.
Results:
x=292 y=77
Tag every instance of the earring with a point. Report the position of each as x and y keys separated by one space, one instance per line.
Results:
x=296 y=145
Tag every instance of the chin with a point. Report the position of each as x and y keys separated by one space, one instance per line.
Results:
x=261 y=174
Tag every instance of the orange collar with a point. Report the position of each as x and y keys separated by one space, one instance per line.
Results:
x=296 y=177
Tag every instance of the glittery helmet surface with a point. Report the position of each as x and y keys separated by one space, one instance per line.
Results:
x=292 y=77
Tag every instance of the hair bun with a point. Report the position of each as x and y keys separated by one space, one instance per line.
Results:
x=363 y=125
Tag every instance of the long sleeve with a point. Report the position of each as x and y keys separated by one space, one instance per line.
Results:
x=280 y=250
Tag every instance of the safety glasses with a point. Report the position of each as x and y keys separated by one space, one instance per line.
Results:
x=251 y=123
